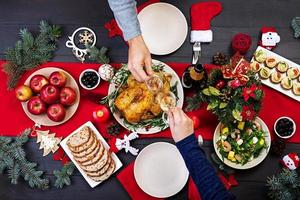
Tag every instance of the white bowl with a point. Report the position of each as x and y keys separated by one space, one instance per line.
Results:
x=82 y=85
x=294 y=125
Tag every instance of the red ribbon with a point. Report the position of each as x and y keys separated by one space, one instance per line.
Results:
x=228 y=183
x=62 y=156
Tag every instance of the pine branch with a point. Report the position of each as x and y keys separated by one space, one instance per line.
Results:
x=285 y=185
x=13 y=158
x=63 y=175
x=30 y=52
x=98 y=55
x=194 y=102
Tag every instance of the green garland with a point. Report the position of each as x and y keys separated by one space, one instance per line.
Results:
x=98 y=55
x=30 y=51
x=285 y=185
x=13 y=158
x=63 y=175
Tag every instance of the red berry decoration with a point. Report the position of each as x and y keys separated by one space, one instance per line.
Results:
x=196 y=121
x=241 y=43
x=101 y=114
x=220 y=84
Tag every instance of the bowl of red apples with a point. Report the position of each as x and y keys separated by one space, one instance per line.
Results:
x=49 y=96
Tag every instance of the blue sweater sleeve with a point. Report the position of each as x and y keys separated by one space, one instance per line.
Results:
x=126 y=16
x=202 y=172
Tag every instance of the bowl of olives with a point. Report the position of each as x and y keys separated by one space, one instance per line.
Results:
x=285 y=127
x=89 y=79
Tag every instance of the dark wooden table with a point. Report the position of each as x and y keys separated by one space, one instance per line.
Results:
x=237 y=16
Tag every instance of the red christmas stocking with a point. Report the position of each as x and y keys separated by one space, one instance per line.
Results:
x=201 y=16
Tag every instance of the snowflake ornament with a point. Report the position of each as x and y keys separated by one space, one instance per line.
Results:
x=82 y=36
x=86 y=37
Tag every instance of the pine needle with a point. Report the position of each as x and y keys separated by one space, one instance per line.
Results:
x=29 y=52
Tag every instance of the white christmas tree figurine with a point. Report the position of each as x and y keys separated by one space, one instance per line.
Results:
x=47 y=141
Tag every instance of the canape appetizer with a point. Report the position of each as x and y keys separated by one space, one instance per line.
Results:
x=255 y=66
x=287 y=83
x=282 y=66
x=293 y=72
x=260 y=56
x=271 y=62
x=265 y=73
x=276 y=77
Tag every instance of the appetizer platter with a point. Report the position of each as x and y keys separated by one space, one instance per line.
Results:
x=243 y=145
x=140 y=107
x=55 y=96
x=277 y=72
x=89 y=152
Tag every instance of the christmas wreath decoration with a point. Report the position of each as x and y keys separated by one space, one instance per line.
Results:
x=233 y=92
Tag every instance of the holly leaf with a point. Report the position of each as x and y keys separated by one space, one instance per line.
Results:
x=214 y=91
x=237 y=115
x=212 y=105
x=223 y=105
x=206 y=92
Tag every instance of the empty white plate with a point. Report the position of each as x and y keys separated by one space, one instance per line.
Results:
x=164 y=28
x=160 y=171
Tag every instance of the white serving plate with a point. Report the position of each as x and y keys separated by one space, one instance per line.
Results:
x=252 y=163
x=164 y=28
x=63 y=144
x=160 y=170
x=70 y=111
x=180 y=101
x=269 y=83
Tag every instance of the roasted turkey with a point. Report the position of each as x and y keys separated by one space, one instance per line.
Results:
x=136 y=102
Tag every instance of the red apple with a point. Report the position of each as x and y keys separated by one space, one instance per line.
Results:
x=196 y=121
x=56 y=112
x=23 y=92
x=36 y=106
x=50 y=94
x=101 y=114
x=67 y=96
x=58 y=79
x=37 y=82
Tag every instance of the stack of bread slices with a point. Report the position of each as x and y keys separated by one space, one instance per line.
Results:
x=91 y=154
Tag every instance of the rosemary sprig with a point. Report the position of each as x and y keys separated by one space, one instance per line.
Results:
x=155 y=122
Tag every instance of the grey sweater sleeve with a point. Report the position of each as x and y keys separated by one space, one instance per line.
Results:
x=126 y=16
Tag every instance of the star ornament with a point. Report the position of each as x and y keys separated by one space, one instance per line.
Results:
x=47 y=141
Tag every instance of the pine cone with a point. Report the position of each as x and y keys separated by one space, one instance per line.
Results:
x=226 y=96
x=278 y=145
x=220 y=59
x=114 y=129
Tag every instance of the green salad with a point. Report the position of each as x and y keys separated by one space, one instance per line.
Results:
x=242 y=142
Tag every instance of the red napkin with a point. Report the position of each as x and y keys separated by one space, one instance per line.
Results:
x=126 y=177
x=114 y=29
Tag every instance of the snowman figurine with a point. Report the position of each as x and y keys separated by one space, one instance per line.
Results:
x=269 y=38
x=290 y=161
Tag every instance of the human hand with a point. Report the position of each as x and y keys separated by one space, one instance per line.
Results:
x=138 y=58
x=180 y=124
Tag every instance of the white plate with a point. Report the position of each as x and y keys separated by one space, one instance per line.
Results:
x=63 y=144
x=164 y=28
x=255 y=161
x=70 y=111
x=180 y=101
x=160 y=171
x=269 y=83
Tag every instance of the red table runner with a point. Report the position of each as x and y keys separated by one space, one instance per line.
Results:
x=13 y=119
